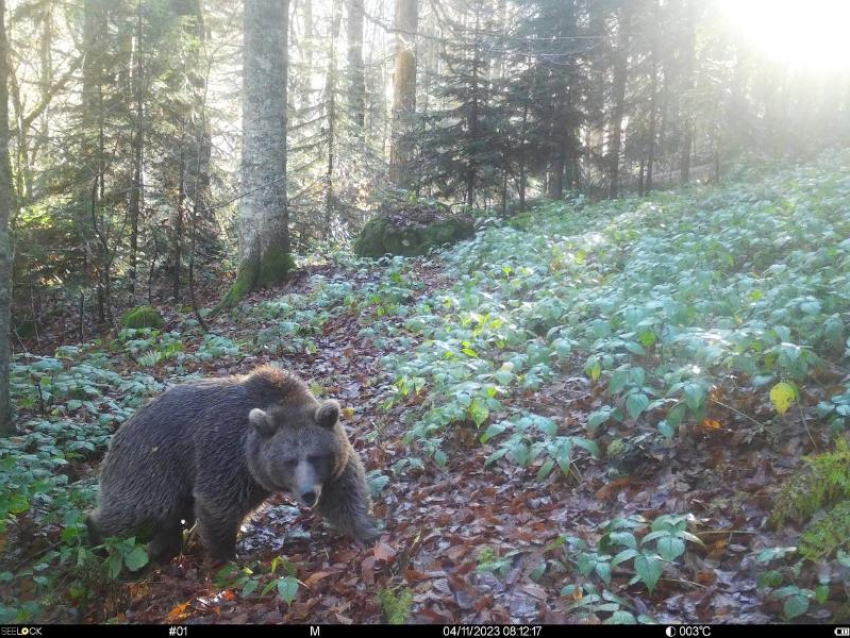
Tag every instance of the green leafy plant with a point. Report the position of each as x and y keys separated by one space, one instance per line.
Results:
x=396 y=605
x=248 y=579
x=632 y=545
x=489 y=560
x=588 y=600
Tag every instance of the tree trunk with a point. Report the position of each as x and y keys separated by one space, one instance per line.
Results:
x=307 y=46
x=330 y=91
x=653 y=99
x=598 y=72
x=177 y=220
x=263 y=223
x=619 y=90
x=472 y=170
x=6 y=425
x=404 y=91
x=46 y=79
x=558 y=162
x=93 y=123
x=356 y=70
x=687 y=96
x=137 y=144
x=196 y=148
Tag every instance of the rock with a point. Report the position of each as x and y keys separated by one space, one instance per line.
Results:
x=412 y=229
x=142 y=317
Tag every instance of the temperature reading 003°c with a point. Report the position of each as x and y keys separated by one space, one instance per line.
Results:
x=688 y=631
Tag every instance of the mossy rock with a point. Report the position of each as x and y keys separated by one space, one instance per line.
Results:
x=142 y=317
x=412 y=229
x=822 y=482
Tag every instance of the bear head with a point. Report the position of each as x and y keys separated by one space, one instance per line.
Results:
x=297 y=448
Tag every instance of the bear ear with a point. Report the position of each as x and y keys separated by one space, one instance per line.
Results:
x=261 y=421
x=328 y=414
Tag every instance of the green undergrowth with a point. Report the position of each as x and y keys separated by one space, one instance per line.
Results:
x=827 y=534
x=76 y=400
x=631 y=547
x=396 y=605
x=674 y=307
x=69 y=405
x=291 y=323
x=713 y=303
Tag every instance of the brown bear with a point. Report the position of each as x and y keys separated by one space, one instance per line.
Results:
x=214 y=450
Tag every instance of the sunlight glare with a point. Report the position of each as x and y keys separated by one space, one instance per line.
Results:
x=810 y=34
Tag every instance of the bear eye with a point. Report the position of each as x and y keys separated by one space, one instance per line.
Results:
x=315 y=459
x=290 y=463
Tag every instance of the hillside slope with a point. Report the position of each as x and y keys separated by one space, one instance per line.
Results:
x=584 y=414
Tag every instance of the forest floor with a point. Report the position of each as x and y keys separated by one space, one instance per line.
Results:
x=580 y=416
x=438 y=520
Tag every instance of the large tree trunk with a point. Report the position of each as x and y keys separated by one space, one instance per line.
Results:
x=263 y=223
x=404 y=93
x=6 y=426
x=356 y=71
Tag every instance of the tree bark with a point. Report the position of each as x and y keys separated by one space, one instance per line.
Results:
x=6 y=425
x=356 y=70
x=404 y=91
x=94 y=27
x=598 y=71
x=263 y=224
x=137 y=145
x=472 y=170
x=688 y=55
x=619 y=90
x=304 y=79
x=196 y=149
x=330 y=90
x=653 y=98
x=46 y=79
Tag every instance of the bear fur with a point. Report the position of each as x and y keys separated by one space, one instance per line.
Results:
x=214 y=450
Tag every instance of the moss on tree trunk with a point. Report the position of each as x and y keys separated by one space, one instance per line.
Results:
x=275 y=267
x=271 y=270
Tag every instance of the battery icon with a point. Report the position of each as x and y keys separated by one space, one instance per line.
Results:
x=842 y=631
